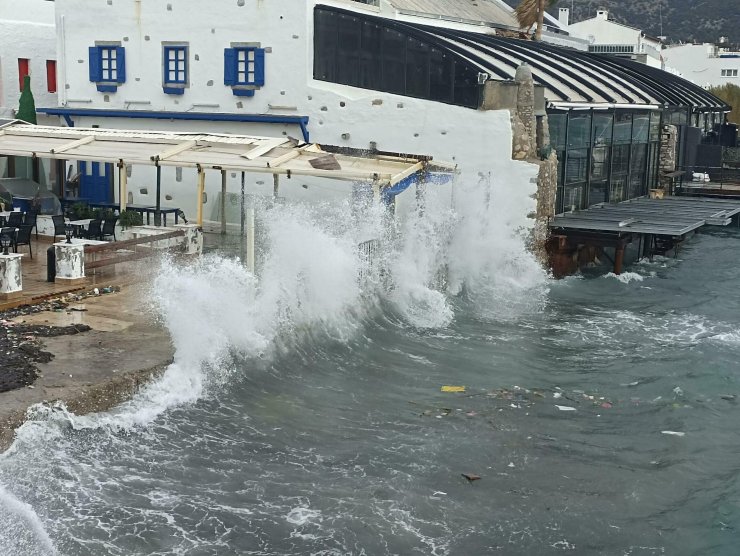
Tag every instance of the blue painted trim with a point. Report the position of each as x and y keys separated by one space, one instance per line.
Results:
x=70 y=122
x=243 y=92
x=67 y=113
x=404 y=184
x=174 y=90
x=107 y=88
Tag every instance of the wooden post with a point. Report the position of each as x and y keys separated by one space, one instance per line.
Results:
x=122 y=185
x=201 y=192
x=275 y=185
x=223 y=202
x=618 y=259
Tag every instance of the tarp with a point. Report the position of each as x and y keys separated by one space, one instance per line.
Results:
x=25 y=193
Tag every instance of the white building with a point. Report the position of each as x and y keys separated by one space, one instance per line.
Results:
x=606 y=36
x=27 y=47
x=248 y=67
x=707 y=65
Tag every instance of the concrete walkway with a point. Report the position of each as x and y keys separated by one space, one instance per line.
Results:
x=97 y=369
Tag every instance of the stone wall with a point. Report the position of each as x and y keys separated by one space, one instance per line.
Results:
x=668 y=154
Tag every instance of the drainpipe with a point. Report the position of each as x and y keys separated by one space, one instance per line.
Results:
x=158 y=207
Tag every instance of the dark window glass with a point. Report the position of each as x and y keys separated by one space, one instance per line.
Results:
x=600 y=163
x=394 y=62
x=623 y=127
x=640 y=128
x=654 y=126
x=466 y=85
x=579 y=130
x=652 y=168
x=370 y=56
x=440 y=76
x=597 y=192
x=417 y=68
x=557 y=123
x=620 y=159
x=576 y=165
x=574 y=197
x=603 y=129
x=637 y=163
x=325 y=46
x=618 y=189
x=348 y=50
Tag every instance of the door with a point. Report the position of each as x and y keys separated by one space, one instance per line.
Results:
x=95 y=182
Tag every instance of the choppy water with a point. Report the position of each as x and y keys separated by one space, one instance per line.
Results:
x=306 y=417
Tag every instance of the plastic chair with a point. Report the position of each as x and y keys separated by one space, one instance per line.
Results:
x=15 y=219
x=93 y=230
x=109 y=228
x=23 y=237
x=30 y=219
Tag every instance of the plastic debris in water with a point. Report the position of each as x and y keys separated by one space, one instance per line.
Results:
x=471 y=477
x=453 y=389
x=674 y=433
x=565 y=408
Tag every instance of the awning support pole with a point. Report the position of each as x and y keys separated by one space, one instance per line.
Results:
x=201 y=192
x=223 y=202
x=618 y=259
x=250 y=239
x=241 y=221
x=158 y=206
x=122 y=185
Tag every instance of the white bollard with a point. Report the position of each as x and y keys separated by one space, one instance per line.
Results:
x=70 y=262
x=11 y=277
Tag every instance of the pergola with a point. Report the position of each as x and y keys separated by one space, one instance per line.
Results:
x=205 y=151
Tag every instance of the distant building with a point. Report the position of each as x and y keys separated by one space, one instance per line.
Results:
x=605 y=36
x=708 y=65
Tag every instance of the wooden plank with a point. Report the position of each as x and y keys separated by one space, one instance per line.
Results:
x=264 y=148
x=114 y=245
x=177 y=149
x=74 y=144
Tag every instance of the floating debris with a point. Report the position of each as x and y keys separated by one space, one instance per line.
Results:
x=453 y=389
x=674 y=433
x=565 y=408
x=471 y=477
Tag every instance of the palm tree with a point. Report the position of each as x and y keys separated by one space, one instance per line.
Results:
x=531 y=12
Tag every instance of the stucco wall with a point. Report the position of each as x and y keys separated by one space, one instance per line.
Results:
x=693 y=62
x=26 y=31
x=478 y=141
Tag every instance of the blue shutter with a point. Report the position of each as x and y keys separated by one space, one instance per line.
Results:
x=96 y=71
x=229 y=66
x=259 y=67
x=121 y=63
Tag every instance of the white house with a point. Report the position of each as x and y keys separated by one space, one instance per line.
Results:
x=27 y=47
x=707 y=65
x=606 y=36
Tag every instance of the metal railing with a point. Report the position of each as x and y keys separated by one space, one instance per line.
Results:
x=708 y=180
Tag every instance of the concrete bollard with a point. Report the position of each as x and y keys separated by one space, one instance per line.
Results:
x=11 y=277
x=193 y=240
x=70 y=263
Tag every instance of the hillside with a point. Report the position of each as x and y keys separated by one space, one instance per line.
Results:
x=683 y=20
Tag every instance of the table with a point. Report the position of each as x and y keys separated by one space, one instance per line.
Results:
x=149 y=210
x=79 y=225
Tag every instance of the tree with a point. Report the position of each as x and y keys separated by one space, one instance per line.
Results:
x=532 y=12
x=27 y=106
x=730 y=93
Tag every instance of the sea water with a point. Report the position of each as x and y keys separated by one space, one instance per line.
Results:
x=304 y=414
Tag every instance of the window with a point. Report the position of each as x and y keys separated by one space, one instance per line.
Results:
x=729 y=73
x=107 y=66
x=175 y=78
x=51 y=76
x=23 y=71
x=244 y=69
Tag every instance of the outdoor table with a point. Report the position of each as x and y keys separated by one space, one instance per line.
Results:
x=149 y=210
x=79 y=225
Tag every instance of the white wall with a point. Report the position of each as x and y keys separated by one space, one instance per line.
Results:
x=605 y=32
x=693 y=62
x=26 y=31
x=479 y=142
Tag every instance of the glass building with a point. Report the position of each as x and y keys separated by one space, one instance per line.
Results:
x=605 y=112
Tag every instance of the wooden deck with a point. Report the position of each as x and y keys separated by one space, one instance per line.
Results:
x=37 y=289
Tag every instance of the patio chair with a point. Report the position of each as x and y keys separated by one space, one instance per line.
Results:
x=23 y=237
x=109 y=228
x=31 y=220
x=93 y=229
x=15 y=218
x=59 y=227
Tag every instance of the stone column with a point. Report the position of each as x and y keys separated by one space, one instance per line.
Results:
x=525 y=121
x=11 y=277
x=70 y=262
x=193 y=240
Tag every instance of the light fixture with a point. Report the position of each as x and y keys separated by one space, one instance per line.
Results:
x=5 y=242
x=68 y=230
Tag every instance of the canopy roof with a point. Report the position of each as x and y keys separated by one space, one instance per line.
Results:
x=271 y=155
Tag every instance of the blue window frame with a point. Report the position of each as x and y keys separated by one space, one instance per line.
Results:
x=176 y=70
x=107 y=67
x=244 y=69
